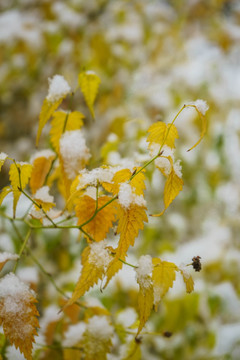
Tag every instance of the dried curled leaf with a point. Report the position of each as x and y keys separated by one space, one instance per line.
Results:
x=19 y=175
x=18 y=313
x=188 y=281
x=89 y=83
x=62 y=122
x=162 y=134
x=99 y=226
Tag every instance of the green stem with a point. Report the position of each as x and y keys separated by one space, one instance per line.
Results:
x=24 y=244
x=46 y=273
x=126 y=263
x=39 y=206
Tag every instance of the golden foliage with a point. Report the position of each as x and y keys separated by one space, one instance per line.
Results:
x=47 y=110
x=89 y=83
x=90 y=275
x=130 y=222
x=121 y=176
x=162 y=134
x=62 y=122
x=18 y=316
x=145 y=304
x=163 y=276
x=41 y=167
x=99 y=226
x=173 y=186
x=19 y=175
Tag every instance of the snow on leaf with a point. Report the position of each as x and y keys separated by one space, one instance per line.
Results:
x=41 y=167
x=47 y=110
x=173 y=186
x=95 y=259
x=130 y=222
x=5 y=256
x=121 y=176
x=163 y=276
x=162 y=134
x=99 y=226
x=19 y=175
x=97 y=339
x=3 y=157
x=6 y=190
x=61 y=122
x=18 y=313
x=145 y=305
x=89 y=83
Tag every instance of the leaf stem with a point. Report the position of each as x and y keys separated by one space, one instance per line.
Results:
x=24 y=244
x=126 y=263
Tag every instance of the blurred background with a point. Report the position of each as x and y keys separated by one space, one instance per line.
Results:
x=152 y=56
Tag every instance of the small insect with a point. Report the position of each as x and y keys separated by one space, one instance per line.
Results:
x=197 y=263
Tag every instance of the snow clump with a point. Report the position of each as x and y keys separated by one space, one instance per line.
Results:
x=58 y=88
x=74 y=152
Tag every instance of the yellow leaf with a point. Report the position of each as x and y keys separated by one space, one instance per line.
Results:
x=99 y=226
x=145 y=305
x=90 y=275
x=6 y=190
x=173 y=186
x=62 y=122
x=41 y=167
x=121 y=176
x=19 y=175
x=47 y=110
x=130 y=222
x=162 y=134
x=163 y=276
x=18 y=313
x=89 y=83
x=3 y=157
x=188 y=281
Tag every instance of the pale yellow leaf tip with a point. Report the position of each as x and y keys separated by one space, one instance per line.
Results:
x=89 y=84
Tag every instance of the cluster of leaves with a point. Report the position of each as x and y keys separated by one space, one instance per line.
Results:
x=96 y=201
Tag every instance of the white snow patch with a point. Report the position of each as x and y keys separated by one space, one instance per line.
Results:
x=99 y=328
x=74 y=334
x=126 y=196
x=5 y=256
x=201 y=106
x=74 y=152
x=58 y=88
x=47 y=153
x=43 y=195
x=99 y=255
x=144 y=271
